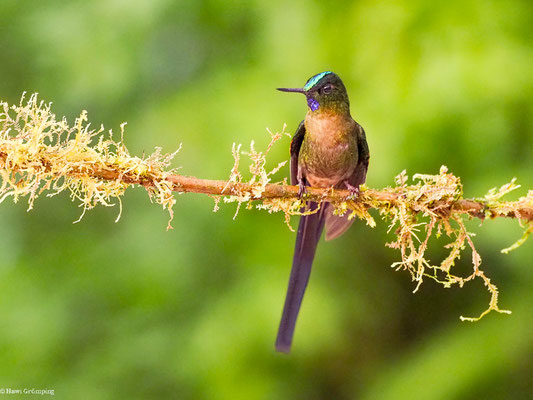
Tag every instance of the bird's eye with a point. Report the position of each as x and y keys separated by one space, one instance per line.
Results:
x=327 y=89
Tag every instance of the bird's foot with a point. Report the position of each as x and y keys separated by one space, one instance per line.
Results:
x=354 y=191
x=301 y=189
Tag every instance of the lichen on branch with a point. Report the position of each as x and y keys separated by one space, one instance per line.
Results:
x=40 y=154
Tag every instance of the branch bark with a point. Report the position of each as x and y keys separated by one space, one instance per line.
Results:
x=370 y=198
x=475 y=208
x=188 y=184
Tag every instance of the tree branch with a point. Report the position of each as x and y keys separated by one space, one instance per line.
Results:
x=369 y=198
x=472 y=207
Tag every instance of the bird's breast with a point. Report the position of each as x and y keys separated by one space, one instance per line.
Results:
x=329 y=150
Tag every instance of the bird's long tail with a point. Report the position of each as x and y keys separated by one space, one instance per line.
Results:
x=309 y=231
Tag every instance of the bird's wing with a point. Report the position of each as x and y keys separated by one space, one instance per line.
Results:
x=337 y=225
x=359 y=175
x=296 y=143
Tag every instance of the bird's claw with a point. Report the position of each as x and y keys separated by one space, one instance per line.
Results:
x=301 y=189
x=354 y=191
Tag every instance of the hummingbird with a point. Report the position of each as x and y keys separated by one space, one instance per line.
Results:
x=329 y=149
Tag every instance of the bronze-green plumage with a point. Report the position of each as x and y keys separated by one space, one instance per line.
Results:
x=329 y=149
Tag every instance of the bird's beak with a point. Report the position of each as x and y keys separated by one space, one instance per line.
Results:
x=297 y=90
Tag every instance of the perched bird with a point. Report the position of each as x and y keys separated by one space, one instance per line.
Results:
x=329 y=149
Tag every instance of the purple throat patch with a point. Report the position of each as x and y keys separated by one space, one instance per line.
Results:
x=312 y=103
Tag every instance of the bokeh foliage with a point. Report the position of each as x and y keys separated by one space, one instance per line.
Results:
x=128 y=310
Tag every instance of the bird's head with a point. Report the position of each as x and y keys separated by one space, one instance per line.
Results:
x=324 y=91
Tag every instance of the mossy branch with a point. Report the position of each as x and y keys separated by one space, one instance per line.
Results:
x=39 y=154
x=369 y=198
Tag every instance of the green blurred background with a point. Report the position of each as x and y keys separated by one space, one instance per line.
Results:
x=104 y=310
